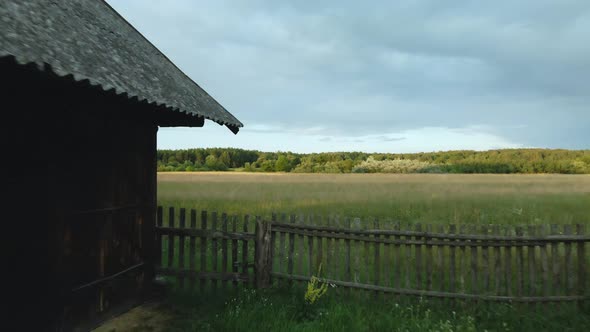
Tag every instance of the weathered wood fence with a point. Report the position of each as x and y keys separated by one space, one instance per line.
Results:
x=476 y=262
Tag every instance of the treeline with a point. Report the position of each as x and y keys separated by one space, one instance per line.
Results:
x=508 y=161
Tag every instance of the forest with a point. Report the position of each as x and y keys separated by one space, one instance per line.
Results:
x=507 y=161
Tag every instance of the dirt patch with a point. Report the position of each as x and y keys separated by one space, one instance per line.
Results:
x=149 y=317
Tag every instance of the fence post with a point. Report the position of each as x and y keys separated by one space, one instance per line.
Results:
x=263 y=258
x=581 y=265
x=171 y=224
x=159 y=237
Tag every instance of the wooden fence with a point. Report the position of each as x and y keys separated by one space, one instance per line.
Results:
x=477 y=262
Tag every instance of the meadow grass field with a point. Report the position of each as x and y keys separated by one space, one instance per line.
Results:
x=435 y=199
x=280 y=310
x=427 y=198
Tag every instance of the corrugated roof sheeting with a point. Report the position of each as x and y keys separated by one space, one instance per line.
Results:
x=90 y=41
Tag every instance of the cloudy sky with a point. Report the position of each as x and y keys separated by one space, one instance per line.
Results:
x=380 y=76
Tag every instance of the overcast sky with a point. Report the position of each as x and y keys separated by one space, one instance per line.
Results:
x=380 y=76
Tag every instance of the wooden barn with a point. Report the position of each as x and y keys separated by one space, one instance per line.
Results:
x=83 y=95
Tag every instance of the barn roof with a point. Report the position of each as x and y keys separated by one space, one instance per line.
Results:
x=89 y=40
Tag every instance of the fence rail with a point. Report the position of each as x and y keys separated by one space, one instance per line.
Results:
x=540 y=263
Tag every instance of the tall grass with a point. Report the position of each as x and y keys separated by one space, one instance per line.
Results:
x=426 y=198
x=459 y=199
x=280 y=310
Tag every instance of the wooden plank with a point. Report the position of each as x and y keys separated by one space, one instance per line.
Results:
x=452 y=261
x=418 y=257
x=387 y=265
x=463 y=262
x=407 y=265
x=204 y=276
x=377 y=259
x=435 y=294
x=508 y=266
x=171 y=221
x=320 y=250
x=159 y=237
x=105 y=211
x=440 y=266
x=365 y=270
x=555 y=267
x=513 y=240
x=356 y=224
x=217 y=234
x=497 y=264
x=519 y=265
x=192 y=247
x=203 y=250
x=336 y=263
x=224 y=248
x=263 y=252
x=300 y=244
x=282 y=247
x=234 y=249
x=329 y=273
x=532 y=266
x=245 y=255
x=485 y=263
x=214 y=248
x=181 y=243
x=545 y=264
x=347 y=254
x=107 y=279
x=428 y=260
x=101 y=267
x=150 y=203
x=281 y=258
x=273 y=242
x=474 y=242
x=581 y=253
x=291 y=254
x=398 y=262
x=568 y=267
x=310 y=257
x=474 y=262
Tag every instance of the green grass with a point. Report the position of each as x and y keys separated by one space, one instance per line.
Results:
x=285 y=310
x=481 y=199
x=429 y=199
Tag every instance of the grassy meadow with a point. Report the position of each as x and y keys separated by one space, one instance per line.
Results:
x=279 y=310
x=429 y=199
x=426 y=198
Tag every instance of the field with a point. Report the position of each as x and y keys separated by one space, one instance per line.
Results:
x=481 y=199
x=442 y=199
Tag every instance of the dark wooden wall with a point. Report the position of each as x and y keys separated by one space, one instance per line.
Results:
x=105 y=226
x=80 y=173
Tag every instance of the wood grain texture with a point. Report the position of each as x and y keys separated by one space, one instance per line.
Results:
x=192 y=248
x=203 y=250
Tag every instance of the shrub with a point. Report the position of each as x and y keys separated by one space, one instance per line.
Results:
x=371 y=165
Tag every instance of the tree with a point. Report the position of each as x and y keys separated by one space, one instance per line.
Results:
x=214 y=164
x=211 y=161
x=282 y=164
x=268 y=165
x=225 y=158
x=494 y=161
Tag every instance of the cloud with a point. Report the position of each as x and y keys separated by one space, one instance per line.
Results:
x=390 y=139
x=515 y=71
x=421 y=139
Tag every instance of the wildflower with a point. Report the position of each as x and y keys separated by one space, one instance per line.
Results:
x=315 y=288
